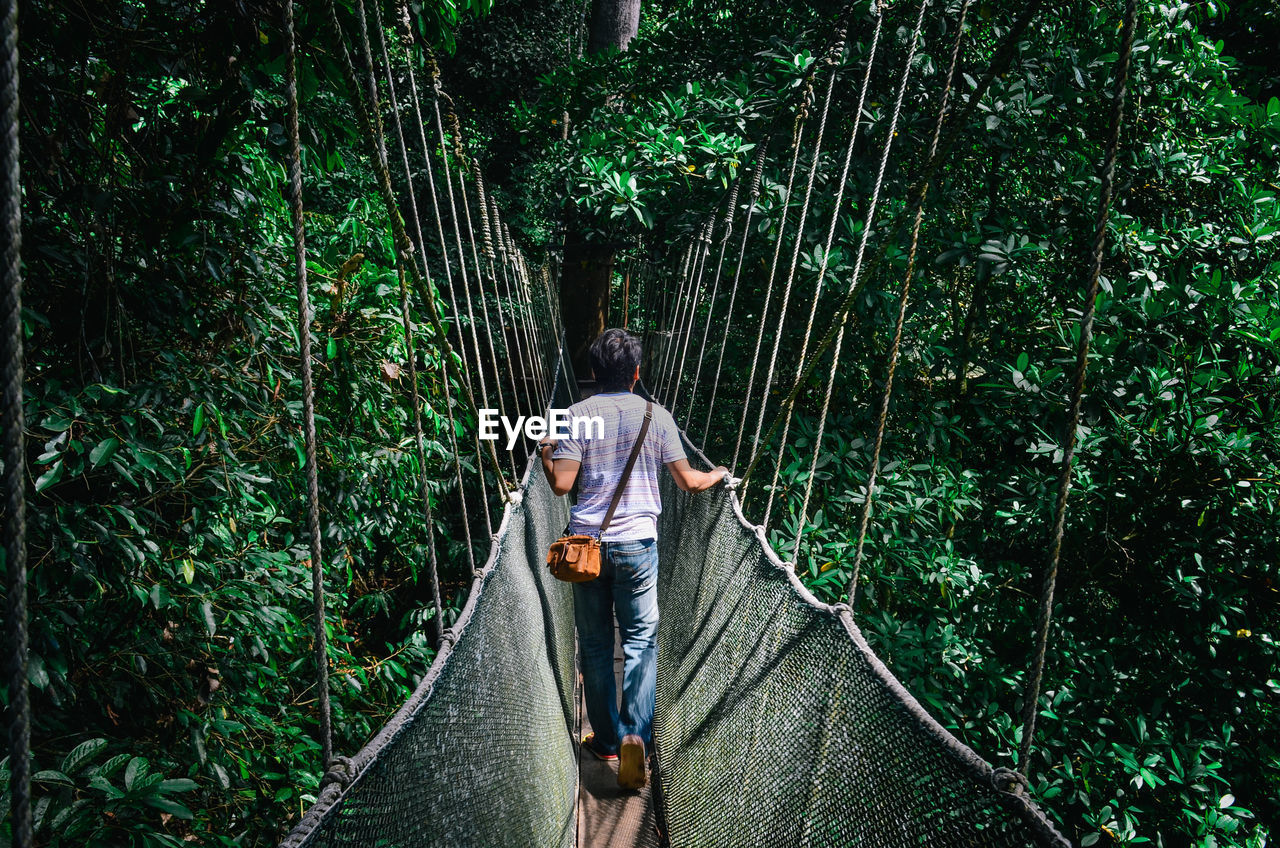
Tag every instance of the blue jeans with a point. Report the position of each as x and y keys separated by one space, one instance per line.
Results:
x=628 y=582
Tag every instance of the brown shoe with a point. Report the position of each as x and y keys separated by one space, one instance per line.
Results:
x=631 y=766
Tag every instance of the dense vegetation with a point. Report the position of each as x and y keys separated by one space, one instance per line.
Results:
x=169 y=577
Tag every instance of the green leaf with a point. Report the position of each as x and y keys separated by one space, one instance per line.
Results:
x=103 y=451
x=168 y=805
x=47 y=479
x=178 y=784
x=81 y=754
x=52 y=776
x=37 y=675
x=198 y=423
x=136 y=769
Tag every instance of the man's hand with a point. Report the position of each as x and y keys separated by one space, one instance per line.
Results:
x=690 y=479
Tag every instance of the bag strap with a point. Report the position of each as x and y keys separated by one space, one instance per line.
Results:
x=626 y=472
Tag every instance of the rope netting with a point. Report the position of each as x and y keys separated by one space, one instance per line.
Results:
x=773 y=710
x=483 y=752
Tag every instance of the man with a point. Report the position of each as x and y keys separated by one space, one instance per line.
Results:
x=628 y=581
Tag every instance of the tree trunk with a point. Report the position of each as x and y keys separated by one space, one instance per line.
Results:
x=613 y=24
x=585 y=282
x=587 y=274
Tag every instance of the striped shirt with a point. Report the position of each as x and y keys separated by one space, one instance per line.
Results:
x=604 y=459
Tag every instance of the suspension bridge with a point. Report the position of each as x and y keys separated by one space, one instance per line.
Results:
x=776 y=722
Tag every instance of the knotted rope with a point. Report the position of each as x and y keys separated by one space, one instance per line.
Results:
x=12 y=422
x=308 y=389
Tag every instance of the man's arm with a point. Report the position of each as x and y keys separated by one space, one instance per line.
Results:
x=560 y=473
x=691 y=479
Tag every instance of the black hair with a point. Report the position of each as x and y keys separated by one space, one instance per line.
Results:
x=614 y=358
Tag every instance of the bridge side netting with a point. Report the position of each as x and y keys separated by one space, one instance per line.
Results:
x=777 y=725
x=483 y=753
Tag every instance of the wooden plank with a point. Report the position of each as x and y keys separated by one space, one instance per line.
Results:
x=607 y=814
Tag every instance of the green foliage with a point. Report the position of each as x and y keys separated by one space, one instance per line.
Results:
x=171 y=650
x=1157 y=723
x=170 y=582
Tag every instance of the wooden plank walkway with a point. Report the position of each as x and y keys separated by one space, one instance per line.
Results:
x=607 y=814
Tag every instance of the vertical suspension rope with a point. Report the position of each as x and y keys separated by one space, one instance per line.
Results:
x=626 y=291
x=495 y=255
x=400 y=235
x=449 y=280
x=521 y=289
x=421 y=450
x=797 y=133
x=1004 y=55
x=826 y=255
x=670 y=319
x=695 y=298
x=832 y=61
x=730 y=208
x=404 y=247
x=308 y=390
x=753 y=196
x=12 y=422
x=1031 y=696
x=487 y=241
x=371 y=86
x=434 y=72
x=453 y=302
x=891 y=358
x=856 y=279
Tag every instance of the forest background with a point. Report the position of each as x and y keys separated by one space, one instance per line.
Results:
x=169 y=574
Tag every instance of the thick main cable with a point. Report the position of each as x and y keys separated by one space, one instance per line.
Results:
x=13 y=444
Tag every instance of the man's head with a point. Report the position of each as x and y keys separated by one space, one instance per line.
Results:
x=615 y=356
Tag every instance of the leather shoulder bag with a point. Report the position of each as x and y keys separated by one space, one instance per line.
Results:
x=576 y=558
